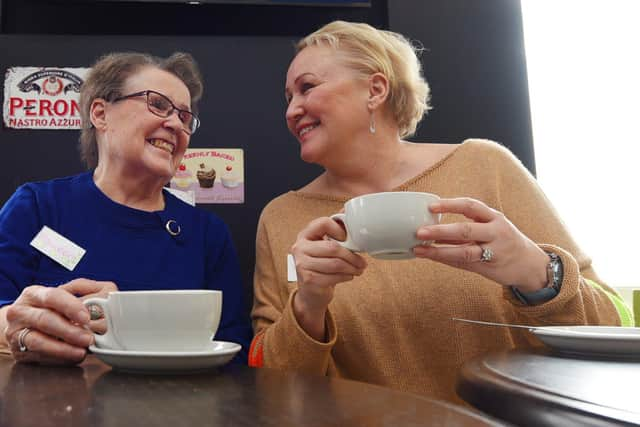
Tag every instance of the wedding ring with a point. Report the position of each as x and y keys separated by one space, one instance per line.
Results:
x=21 y=345
x=95 y=312
x=487 y=255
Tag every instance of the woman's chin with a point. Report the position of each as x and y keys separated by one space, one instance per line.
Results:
x=308 y=156
x=162 y=170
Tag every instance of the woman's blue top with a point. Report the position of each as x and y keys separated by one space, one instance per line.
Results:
x=124 y=245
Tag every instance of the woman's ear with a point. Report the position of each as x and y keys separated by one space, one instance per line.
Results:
x=378 y=90
x=98 y=114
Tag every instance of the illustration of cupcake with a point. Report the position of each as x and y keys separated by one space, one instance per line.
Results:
x=230 y=178
x=206 y=177
x=183 y=177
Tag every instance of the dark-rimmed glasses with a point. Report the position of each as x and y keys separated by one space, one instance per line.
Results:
x=162 y=106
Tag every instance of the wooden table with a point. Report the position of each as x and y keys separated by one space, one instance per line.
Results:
x=546 y=389
x=93 y=395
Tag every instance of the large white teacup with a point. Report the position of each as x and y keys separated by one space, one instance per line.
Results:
x=385 y=224
x=180 y=320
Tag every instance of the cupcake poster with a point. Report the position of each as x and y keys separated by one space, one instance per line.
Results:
x=212 y=175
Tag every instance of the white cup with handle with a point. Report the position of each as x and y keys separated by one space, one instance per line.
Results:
x=384 y=224
x=157 y=321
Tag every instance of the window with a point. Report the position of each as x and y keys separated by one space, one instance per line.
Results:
x=583 y=60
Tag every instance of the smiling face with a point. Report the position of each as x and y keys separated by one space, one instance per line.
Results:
x=327 y=104
x=135 y=139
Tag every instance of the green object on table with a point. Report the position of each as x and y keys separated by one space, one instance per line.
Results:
x=626 y=314
x=636 y=305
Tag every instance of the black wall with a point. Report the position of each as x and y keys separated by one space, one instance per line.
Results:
x=475 y=63
x=145 y=17
x=473 y=60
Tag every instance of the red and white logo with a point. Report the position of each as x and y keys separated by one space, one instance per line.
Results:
x=42 y=98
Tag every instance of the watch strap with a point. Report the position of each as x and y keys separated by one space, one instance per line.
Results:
x=550 y=291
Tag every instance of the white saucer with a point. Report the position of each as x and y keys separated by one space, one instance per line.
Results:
x=591 y=340
x=168 y=362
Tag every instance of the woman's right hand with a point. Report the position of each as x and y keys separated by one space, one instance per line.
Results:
x=321 y=264
x=53 y=322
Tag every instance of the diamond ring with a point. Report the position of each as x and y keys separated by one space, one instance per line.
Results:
x=487 y=255
x=95 y=312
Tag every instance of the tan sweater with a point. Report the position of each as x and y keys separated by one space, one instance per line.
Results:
x=392 y=326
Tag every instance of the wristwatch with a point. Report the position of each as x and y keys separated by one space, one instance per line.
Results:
x=554 y=281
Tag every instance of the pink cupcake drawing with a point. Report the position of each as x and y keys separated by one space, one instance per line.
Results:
x=183 y=177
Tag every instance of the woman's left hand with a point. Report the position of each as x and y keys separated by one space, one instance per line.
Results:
x=489 y=245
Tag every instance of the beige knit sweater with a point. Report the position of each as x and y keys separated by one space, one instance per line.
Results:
x=392 y=325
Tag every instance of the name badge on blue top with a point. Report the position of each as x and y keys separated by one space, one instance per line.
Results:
x=58 y=248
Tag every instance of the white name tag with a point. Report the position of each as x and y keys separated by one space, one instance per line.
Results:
x=189 y=197
x=58 y=248
x=291 y=269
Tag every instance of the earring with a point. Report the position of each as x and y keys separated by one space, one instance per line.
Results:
x=372 y=124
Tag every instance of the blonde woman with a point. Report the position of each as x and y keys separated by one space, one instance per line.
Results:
x=354 y=93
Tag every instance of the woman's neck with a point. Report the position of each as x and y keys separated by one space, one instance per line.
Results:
x=377 y=164
x=132 y=190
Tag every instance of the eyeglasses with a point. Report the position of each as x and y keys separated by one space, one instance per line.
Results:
x=162 y=106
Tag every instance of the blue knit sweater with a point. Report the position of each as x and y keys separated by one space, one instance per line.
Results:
x=127 y=246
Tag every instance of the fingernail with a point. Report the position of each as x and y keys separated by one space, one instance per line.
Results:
x=420 y=250
x=79 y=354
x=82 y=317
x=88 y=339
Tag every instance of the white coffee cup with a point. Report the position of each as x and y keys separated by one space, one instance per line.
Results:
x=180 y=320
x=384 y=224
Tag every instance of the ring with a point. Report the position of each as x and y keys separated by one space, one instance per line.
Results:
x=21 y=345
x=487 y=255
x=95 y=312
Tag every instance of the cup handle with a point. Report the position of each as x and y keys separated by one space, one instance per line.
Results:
x=348 y=243
x=106 y=340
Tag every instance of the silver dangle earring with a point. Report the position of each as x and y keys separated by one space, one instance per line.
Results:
x=372 y=124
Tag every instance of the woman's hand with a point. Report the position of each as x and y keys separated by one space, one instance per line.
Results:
x=85 y=289
x=49 y=325
x=321 y=264
x=510 y=257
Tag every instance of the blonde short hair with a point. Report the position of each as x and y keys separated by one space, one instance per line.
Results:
x=108 y=76
x=368 y=51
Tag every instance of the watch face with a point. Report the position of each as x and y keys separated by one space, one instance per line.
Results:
x=554 y=271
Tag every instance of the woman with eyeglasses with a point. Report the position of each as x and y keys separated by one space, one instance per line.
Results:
x=115 y=226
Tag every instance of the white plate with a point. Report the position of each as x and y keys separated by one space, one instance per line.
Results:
x=591 y=340
x=219 y=353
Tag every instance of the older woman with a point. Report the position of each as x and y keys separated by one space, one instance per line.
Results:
x=139 y=114
x=353 y=93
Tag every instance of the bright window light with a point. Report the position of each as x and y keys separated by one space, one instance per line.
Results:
x=583 y=60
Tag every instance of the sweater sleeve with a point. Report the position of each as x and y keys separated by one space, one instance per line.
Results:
x=279 y=341
x=19 y=223
x=524 y=203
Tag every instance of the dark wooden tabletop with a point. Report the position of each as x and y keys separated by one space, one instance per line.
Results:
x=542 y=388
x=93 y=395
